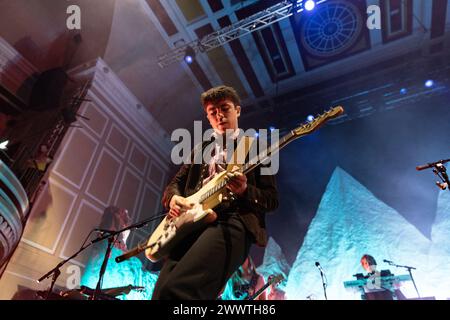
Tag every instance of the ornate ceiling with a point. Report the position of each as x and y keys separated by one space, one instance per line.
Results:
x=299 y=65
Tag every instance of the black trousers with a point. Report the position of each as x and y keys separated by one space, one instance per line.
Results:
x=200 y=266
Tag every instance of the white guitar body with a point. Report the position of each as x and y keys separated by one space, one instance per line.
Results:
x=170 y=231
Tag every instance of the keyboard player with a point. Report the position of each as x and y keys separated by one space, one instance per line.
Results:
x=377 y=283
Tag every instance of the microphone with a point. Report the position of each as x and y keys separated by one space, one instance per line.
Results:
x=388 y=261
x=319 y=267
x=425 y=166
x=131 y=253
x=430 y=165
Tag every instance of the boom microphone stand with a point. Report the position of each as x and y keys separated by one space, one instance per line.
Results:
x=439 y=170
x=409 y=270
x=324 y=283
x=106 y=234
x=111 y=239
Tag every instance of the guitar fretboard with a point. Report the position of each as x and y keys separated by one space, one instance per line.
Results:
x=268 y=152
x=252 y=164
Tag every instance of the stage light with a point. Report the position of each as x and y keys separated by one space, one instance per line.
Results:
x=310 y=5
x=310 y=118
x=403 y=91
x=189 y=55
x=271 y=129
x=429 y=83
x=4 y=144
x=256 y=134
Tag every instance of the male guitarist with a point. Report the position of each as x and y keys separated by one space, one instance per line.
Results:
x=200 y=265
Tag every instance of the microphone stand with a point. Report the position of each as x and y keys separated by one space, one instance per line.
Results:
x=410 y=273
x=111 y=235
x=111 y=239
x=56 y=270
x=324 y=285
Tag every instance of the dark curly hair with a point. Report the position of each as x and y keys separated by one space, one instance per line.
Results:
x=217 y=94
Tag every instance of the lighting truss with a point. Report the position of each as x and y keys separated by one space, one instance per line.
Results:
x=259 y=20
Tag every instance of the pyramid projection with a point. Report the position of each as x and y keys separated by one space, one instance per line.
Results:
x=439 y=256
x=349 y=223
x=440 y=232
x=274 y=262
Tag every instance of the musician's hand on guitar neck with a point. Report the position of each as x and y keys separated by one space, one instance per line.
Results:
x=237 y=181
x=178 y=205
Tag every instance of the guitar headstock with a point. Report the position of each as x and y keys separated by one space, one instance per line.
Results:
x=318 y=121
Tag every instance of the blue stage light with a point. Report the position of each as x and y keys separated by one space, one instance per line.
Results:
x=403 y=91
x=310 y=5
x=271 y=129
x=310 y=118
x=429 y=83
x=189 y=55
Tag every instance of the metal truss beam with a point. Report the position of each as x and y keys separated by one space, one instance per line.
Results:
x=234 y=31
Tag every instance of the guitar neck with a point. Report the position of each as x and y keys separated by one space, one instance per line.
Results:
x=263 y=288
x=253 y=163
x=267 y=152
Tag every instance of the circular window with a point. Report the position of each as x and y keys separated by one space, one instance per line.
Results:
x=331 y=29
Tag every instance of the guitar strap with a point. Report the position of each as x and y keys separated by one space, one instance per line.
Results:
x=240 y=153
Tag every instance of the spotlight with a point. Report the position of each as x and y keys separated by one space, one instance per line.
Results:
x=403 y=91
x=310 y=118
x=256 y=134
x=429 y=83
x=271 y=129
x=189 y=55
x=3 y=145
x=310 y=5
x=188 y=59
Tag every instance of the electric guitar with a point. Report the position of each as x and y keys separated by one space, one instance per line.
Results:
x=271 y=281
x=171 y=230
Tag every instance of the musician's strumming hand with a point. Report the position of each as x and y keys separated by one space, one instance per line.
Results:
x=238 y=181
x=179 y=205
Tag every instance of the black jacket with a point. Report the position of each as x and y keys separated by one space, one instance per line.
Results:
x=260 y=197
